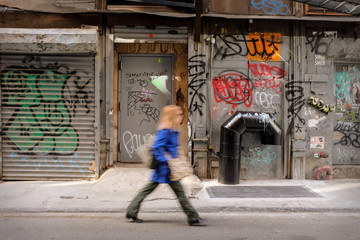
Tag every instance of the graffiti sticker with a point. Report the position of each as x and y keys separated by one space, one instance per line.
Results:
x=317 y=142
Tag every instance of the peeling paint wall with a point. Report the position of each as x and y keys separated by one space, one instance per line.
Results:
x=48 y=41
x=332 y=79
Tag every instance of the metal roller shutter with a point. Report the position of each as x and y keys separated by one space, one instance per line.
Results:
x=139 y=34
x=47 y=116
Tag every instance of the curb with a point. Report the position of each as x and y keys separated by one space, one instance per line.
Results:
x=199 y=209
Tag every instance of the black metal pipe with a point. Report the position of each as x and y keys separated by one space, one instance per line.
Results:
x=272 y=134
x=230 y=143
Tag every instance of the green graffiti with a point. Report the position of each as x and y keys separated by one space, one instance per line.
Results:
x=342 y=81
x=41 y=122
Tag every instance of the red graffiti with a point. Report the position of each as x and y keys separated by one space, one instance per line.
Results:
x=232 y=88
x=357 y=95
x=268 y=76
x=269 y=83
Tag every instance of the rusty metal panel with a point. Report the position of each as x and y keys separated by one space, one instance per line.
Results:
x=228 y=6
x=277 y=7
x=139 y=34
x=88 y=4
x=47 y=116
x=54 y=6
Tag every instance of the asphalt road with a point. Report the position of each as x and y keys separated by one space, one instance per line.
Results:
x=172 y=226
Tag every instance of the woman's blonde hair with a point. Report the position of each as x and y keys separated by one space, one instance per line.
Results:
x=168 y=117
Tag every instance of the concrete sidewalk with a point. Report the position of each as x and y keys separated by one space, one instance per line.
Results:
x=119 y=184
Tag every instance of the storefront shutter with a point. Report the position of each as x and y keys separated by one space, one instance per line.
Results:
x=47 y=116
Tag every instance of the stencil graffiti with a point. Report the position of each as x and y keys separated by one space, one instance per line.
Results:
x=197 y=75
x=271 y=6
x=232 y=88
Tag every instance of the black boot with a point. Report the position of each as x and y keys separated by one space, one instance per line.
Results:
x=134 y=219
x=198 y=222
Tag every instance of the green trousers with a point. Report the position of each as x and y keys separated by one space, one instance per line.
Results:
x=134 y=207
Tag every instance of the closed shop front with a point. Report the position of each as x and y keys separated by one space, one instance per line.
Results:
x=48 y=110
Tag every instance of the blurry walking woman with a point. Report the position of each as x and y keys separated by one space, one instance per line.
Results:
x=166 y=141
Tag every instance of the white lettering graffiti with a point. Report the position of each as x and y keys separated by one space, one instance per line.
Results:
x=266 y=100
x=133 y=142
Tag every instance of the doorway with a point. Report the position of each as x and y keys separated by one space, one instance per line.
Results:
x=145 y=87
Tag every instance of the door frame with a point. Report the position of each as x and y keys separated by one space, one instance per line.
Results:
x=120 y=86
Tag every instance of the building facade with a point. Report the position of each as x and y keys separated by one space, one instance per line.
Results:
x=82 y=84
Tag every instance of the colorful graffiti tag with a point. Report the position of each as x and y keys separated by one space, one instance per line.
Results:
x=269 y=77
x=42 y=118
x=232 y=88
x=257 y=46
x=41 y=99
x=264 y=46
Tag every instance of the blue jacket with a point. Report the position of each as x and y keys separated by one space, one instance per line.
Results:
x=166 y=140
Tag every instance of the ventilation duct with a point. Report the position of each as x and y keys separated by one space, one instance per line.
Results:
x=230 y=140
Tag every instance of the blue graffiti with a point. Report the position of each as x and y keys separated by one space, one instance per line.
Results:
x=259 y=158
x=271 y=6
x=52 y=162
x=75 y=165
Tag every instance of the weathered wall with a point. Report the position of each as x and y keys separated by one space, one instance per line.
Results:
x=245 y=69
x=297 y=76
x=332 y=75
x=198 y=123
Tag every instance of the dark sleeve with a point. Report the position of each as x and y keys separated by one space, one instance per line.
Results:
x=159 y=147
